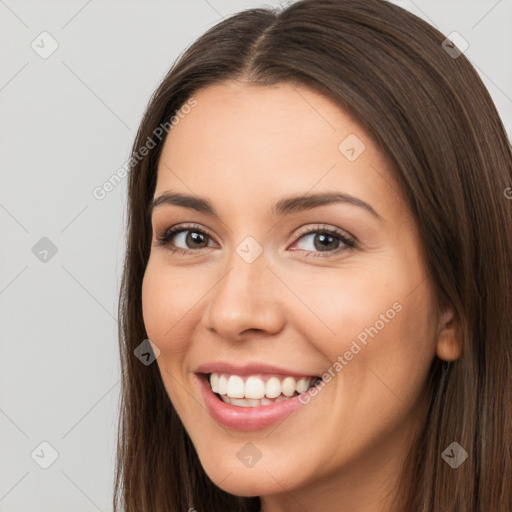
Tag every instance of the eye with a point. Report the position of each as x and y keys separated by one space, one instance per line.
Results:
x=323 y=239
x=188 y=236
x=320 y=240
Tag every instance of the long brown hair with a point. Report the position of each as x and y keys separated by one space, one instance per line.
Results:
x=431 y=115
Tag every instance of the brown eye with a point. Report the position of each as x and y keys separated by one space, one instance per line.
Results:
x=184 y=239
x=327 y=241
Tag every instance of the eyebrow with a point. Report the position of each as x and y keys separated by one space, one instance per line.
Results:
x=283 y=207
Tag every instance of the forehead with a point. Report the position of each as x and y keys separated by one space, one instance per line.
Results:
x=247 y=142
x=261 y=123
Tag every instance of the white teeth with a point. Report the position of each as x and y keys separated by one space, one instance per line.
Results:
x=250 y=402
x=273 y=387
x=254 y=388
x=302 y=384
x=288 y=386
x=245 y=402
x=226 y=399
x=222 y=385
x=214 y=382
x=235 y=387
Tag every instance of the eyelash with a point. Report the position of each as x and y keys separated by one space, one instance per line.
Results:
x=166 y=237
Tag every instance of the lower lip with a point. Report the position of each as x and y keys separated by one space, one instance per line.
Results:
x=245 y=418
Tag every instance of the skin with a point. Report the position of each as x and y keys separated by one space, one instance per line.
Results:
x=244 y=148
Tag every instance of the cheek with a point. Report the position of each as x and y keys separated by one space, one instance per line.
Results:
x=168 y=300
x=166 y=308
x=338 y=306
x=374 y=329
x=155 y=304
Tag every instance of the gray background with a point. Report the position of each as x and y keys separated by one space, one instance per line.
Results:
x=68 y=122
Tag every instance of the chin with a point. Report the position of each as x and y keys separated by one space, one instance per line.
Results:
x=263 y=478
x=247 y=483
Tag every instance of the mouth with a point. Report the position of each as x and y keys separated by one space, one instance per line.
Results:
x=258 y=389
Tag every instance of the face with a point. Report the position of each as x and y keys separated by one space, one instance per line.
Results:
x=263 y=294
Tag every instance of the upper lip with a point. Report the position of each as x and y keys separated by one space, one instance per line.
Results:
x=248 y=369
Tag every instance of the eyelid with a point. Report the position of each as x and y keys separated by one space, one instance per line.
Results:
x=177 y=229
x=348 y=241
x=312 y=228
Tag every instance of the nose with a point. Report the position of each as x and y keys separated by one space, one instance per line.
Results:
x=244 y=300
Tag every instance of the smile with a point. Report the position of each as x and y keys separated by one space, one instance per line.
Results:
x=257 y=390
x=251 y=396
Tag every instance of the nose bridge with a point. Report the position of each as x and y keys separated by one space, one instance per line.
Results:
x=243 y=297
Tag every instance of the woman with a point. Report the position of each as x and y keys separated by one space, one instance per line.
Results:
x=319 y=249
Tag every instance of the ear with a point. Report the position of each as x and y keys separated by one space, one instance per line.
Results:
x=449 y=344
